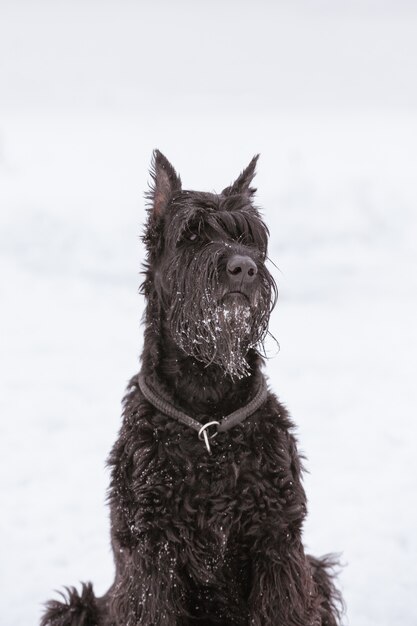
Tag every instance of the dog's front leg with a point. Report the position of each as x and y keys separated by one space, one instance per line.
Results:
x=282 y=587
x=148 y=590
x=283 y=591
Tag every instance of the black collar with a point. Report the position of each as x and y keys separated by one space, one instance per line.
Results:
x=160 y=402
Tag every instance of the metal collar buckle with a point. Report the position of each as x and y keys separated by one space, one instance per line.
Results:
x=202 y=433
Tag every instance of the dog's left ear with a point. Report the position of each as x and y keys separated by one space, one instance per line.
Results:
x=165 y=182
x=242 y=183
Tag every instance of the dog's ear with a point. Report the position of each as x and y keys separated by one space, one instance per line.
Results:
x=242 y=183
x=165 y=181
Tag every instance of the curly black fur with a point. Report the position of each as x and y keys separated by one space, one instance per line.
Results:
x=75 y=610
x=199 y=538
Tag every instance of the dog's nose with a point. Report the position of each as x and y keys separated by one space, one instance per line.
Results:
x=241 y=269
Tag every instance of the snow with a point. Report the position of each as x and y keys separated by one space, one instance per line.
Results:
x=328 y=97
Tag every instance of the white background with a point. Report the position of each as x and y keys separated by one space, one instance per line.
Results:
x=327 y=93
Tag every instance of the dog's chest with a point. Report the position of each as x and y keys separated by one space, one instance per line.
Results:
x=211 y=485
x=208 y=504
x=185 y=492
x=205 y=493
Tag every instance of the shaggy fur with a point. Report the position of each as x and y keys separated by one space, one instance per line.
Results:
x=199 y=538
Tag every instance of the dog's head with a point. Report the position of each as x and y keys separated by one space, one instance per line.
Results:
x=205 y=270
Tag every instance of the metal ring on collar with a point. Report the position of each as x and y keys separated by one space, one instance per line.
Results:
x=202 y=433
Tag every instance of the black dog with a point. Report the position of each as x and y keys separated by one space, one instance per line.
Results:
x=206 y=499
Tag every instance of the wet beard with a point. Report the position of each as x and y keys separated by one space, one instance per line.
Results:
x=219 y=333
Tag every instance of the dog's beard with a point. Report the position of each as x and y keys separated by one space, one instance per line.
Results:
x=219 y=334
x=218 y=328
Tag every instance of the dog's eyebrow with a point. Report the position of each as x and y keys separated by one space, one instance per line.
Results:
x=241 y=223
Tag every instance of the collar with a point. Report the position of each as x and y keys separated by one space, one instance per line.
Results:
x=160 y=402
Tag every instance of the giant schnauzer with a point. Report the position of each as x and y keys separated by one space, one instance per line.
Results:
x=206 y=499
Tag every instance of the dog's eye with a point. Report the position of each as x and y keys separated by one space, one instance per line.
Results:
x=188 y=236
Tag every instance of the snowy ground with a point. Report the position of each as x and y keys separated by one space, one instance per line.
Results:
x=86 y=94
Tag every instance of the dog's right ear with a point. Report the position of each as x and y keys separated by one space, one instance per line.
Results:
x=243 y=182
x=165 y=182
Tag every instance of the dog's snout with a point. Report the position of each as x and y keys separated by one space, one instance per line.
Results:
x=241 y=269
